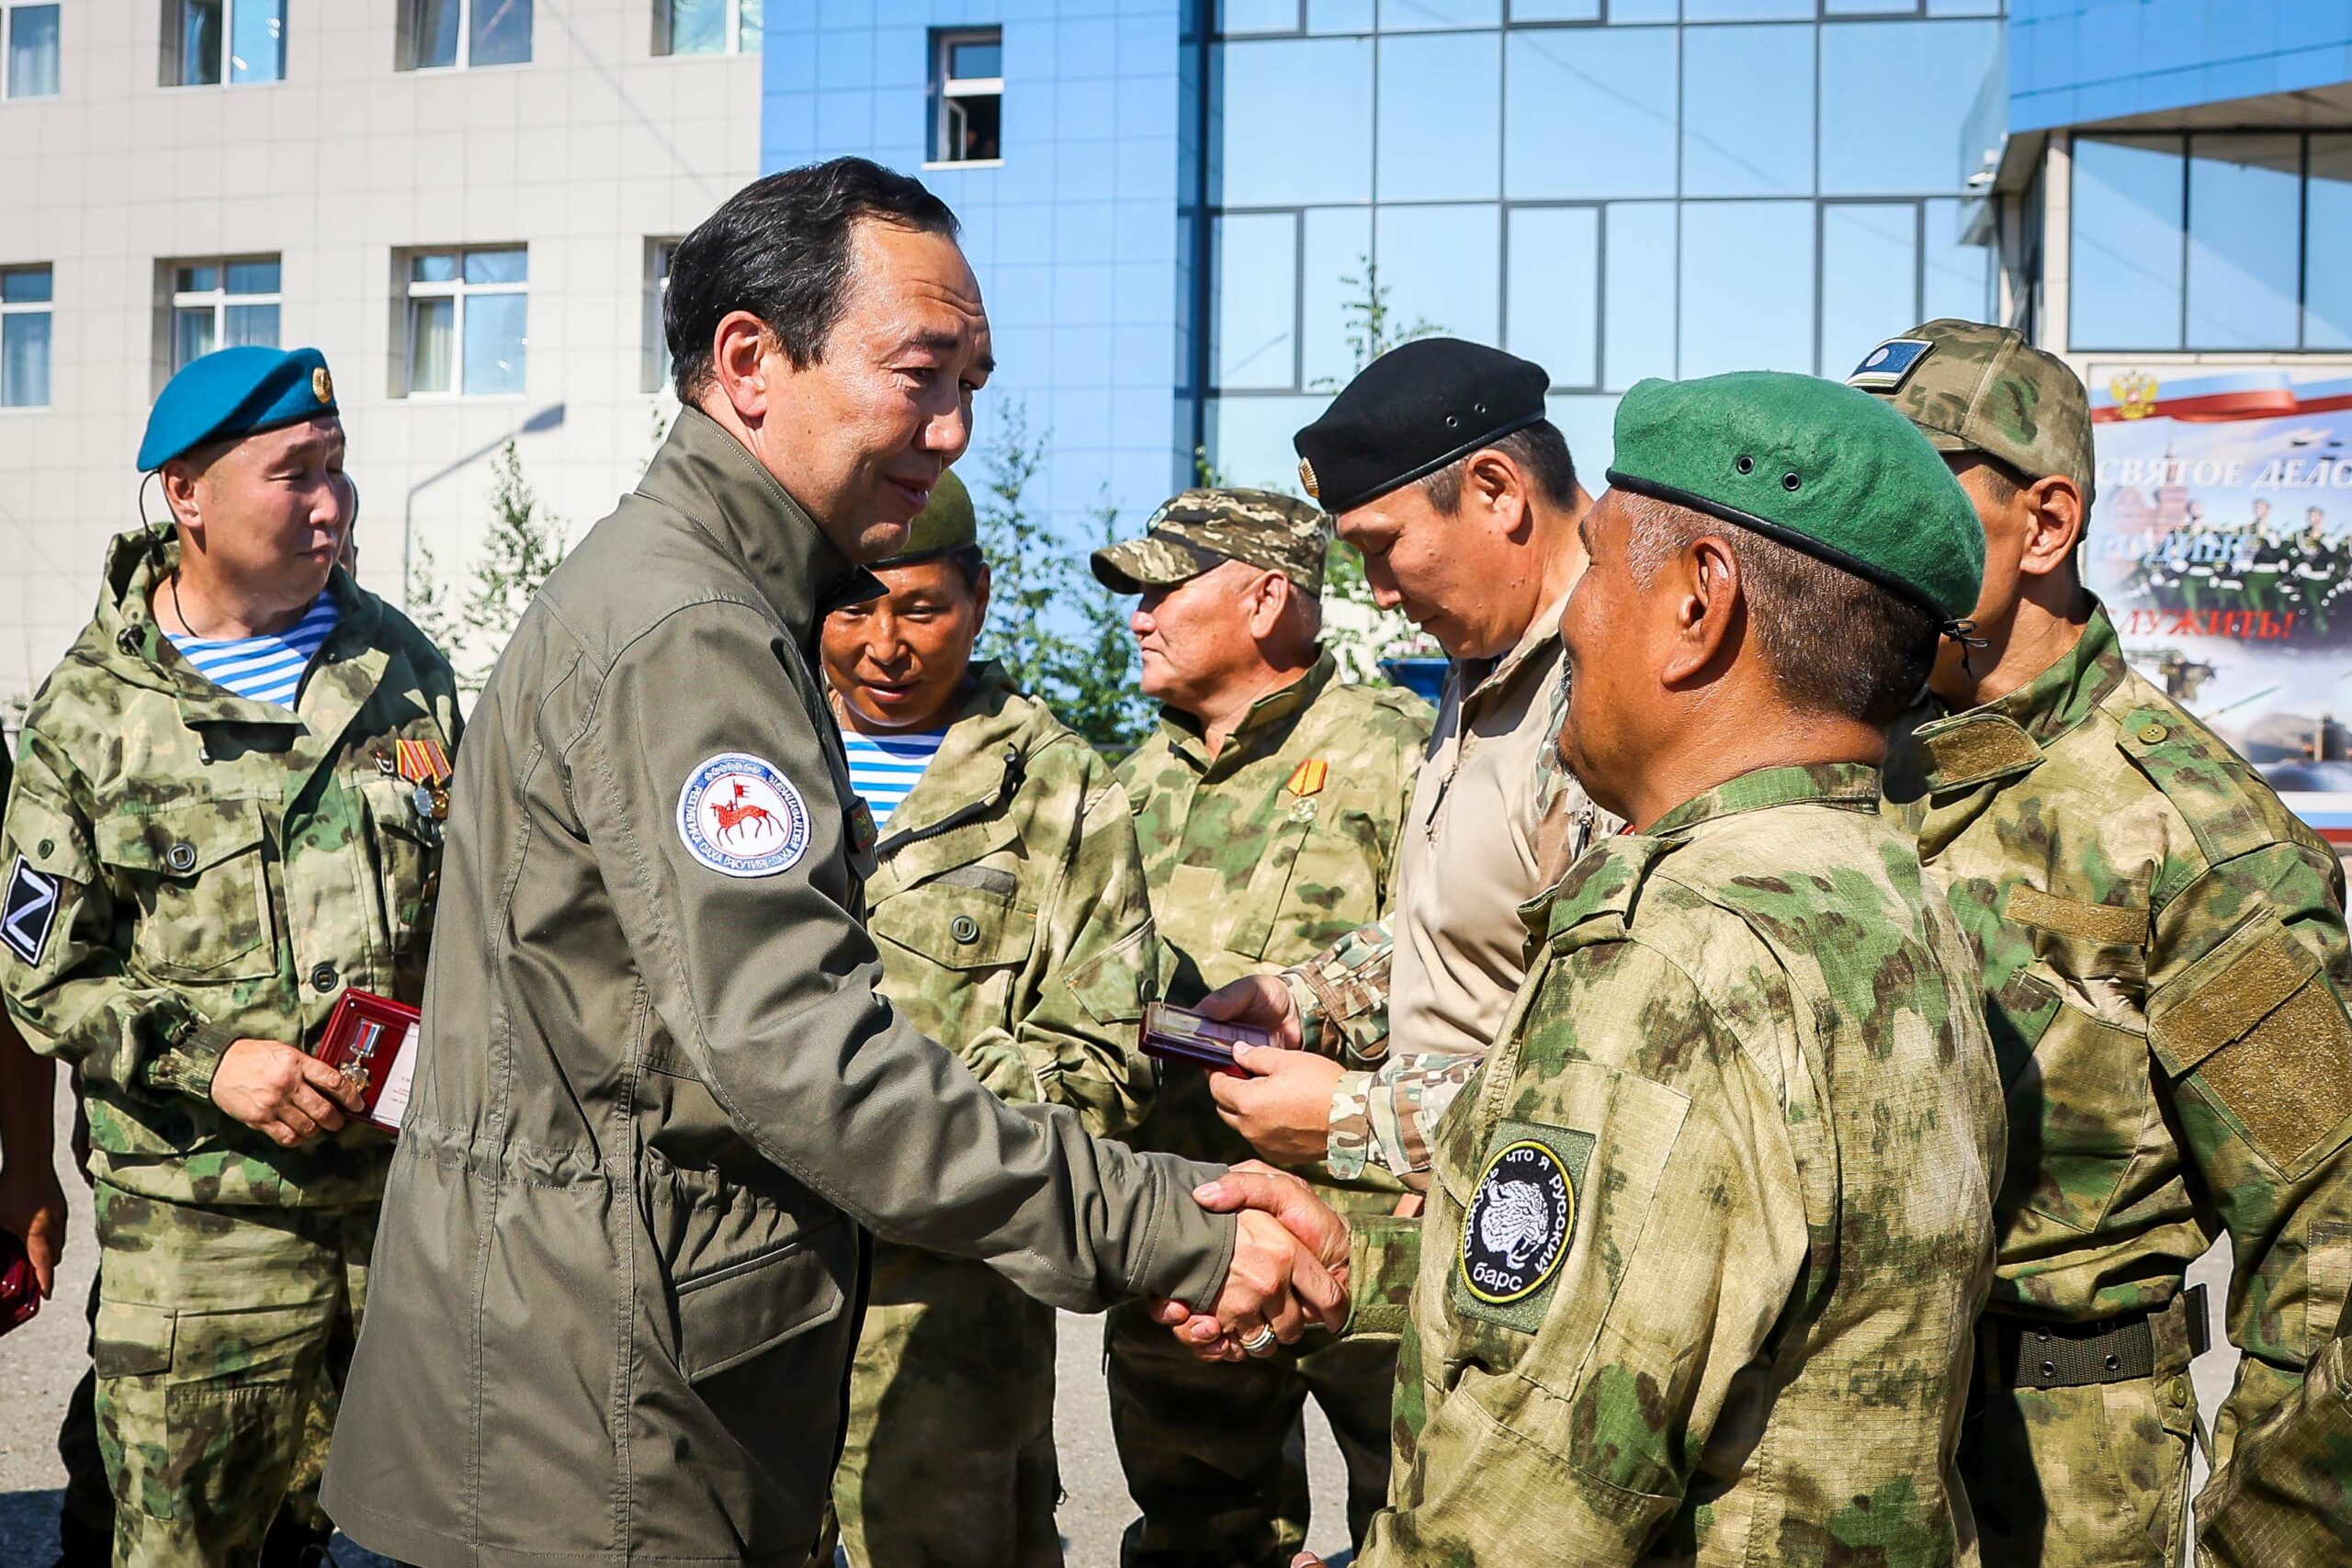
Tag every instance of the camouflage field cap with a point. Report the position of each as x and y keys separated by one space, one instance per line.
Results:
x=1973 y=388
x=1196 y=530
x=945 y=524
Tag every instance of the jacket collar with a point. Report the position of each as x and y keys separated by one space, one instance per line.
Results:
x=706 y=474
x=2008 y=735
x=1262 y=729
x=1827 y=783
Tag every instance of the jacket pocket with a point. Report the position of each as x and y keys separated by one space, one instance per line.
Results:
x=408 y=861
x=132 y=1341
x=958 y=927
x=747 y=1268
x=199 y=875
x=727 y=1317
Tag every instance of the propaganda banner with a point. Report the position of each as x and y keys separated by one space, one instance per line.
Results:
x=2221 y=540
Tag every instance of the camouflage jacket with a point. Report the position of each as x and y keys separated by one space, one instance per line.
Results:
x=1710 y=1230
x=2164 y=963
x=1010 y=903
x=1263 y=856
x=220 y=868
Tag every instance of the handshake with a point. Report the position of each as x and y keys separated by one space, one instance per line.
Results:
x=1290 y=1268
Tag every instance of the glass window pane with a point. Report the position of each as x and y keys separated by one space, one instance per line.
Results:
x=24 y=360
x=1745 y=10
x=1869 y=268
x=494 y=324
x=498 y=266
x=1639 y=322
x=200 y=42
x=1332 y=330
x=2126 y=243
x=192 y=335
x=1553 y=304
x=1747 y=112
x=1642 y=10
x=1590 y=113
x=697 y=27
x=1253 y=327
x=1441 y=145
x=432 y=333
x=1311 y=98
x=1429 y=16
x=1249 y=438
x=200 y=279
x=1933 y=70
x=753 y=15
x=978 y=57
x=1338 y=15
x=502 y=33
x=24 y=286
x=1555 y=10
x=253 y=277
x=1441 y=269
x=32 y=74
x=2245 y=220
x=257 y=40
x=433 y=32
x=440 y=266
x=2327 y=241
x=1958 y=277
x=250 y=324
x=1746 y=287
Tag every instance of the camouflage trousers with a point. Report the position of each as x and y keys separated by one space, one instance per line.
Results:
x=948 y=1461
x=221 y=1341
x=1216 y=1455
x=2286 y=1495
x=2088 y=1477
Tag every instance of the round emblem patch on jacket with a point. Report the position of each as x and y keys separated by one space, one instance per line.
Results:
x=740 y=816
x=1518 y=1224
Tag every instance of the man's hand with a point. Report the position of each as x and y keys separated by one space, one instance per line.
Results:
x=288 y=1094
x=1290 y=1265
x=1262 y=1001
x=32 y=1205
x=1284 y=1107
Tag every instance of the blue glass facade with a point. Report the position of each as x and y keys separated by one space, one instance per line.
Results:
x=2080 y=62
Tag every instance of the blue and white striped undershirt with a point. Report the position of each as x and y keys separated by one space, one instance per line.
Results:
x=884 y=769
x=263 y=668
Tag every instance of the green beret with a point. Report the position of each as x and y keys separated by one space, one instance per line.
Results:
x=1822 y=468
x=232 y=393
x=945 y=524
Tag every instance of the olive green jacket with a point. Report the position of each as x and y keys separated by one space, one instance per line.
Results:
x=219 y=868
x=660 y=1102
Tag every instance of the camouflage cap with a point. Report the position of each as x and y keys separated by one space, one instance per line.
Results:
x=1200 y=528
x=1973 y=388
x=945 y=524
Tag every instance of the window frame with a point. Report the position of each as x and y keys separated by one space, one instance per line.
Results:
x=659 y=371
x=404 y=47
x=459 y=292
x=33 y=308
x=663 y=48
x=173 y=70
x=947 y=94
x=9 y=14
x=217 y=299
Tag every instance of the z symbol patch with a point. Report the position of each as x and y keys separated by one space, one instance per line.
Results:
x=1518 y=1224
x=1885 y=367
x=27 y=911
x=740 y=816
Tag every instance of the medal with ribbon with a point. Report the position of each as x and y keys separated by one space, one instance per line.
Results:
x=424 y=764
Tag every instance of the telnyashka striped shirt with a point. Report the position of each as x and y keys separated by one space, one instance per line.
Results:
x=264 y=668
x=883 y=768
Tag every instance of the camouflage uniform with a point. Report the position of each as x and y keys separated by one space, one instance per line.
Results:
x=2164 y=954
x=219 y=868
x=1010 y=910
x=1707 y=1235
x=2286 y=1495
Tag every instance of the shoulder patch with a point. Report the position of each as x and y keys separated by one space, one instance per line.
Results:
x=741 y=816
x=1887 y=366
x=1519 y=1222
x=27 y=911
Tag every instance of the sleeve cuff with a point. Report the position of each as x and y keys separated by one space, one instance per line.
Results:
x=1350 y=1147
x=1191 y=1249
x=1384 y=1261
x=188 y=1063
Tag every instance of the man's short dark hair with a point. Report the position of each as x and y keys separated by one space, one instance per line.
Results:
x=1836 y=643
x=780 y=249
x=1540 y=449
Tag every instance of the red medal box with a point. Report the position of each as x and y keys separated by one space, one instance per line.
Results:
x=1179 y=1035
x=373 y=1040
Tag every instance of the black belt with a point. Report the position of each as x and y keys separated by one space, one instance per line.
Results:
x=2029 y=1354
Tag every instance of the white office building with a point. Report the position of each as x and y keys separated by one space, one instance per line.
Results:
x=466 y=204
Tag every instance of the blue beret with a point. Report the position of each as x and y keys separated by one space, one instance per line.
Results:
x=232 y=393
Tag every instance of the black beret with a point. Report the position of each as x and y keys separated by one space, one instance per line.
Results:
x=1411 y=411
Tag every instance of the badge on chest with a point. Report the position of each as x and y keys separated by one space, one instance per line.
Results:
x=1520 y=1222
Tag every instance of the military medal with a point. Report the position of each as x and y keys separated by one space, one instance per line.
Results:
x=424 y=764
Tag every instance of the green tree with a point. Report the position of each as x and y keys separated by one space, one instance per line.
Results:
x=525 y=544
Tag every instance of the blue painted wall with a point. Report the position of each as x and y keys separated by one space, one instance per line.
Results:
x=1077 y=239
x=2074 y=61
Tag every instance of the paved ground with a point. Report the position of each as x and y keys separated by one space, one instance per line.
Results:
x=39 y=1362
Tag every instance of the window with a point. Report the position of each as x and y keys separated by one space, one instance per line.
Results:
x=2245 y=196
x=32 y=53
x=706 y=26
x=466 y=322
x=2127 y=249
x=210 y=42
x=223 y=304
x=1747 y=105
x=1436 y=146
x=1866 y=150
x=2327 y=239
x=24 y=337
x=1590 y=113
x=1253 y=332
x=1551 y=306
x=454 y=34
x=1747 y=283
x=659 y=367
x=968 y=88
x=1311 y=98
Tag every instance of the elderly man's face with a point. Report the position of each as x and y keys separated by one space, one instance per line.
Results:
x=1612 y=630
x=866 y=430
x=268 y=514
x=1194 y=636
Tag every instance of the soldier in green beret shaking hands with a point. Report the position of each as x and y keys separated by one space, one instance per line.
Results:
x=1711 y=1227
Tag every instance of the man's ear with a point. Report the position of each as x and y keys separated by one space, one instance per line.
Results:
x=1705 y=582
x=739 y=364
x=1498 y=484
x=2054 y=520
x=179 y=480
x=1269 y=598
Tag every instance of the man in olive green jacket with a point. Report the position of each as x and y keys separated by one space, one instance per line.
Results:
x=659 y=1103
x=1008 y=900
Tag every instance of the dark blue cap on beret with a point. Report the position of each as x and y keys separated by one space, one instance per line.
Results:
x=233 y=393
x=1411 y=411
